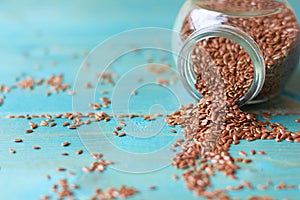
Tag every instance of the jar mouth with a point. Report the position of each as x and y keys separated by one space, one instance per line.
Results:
x=251 y=9
x=186 y=69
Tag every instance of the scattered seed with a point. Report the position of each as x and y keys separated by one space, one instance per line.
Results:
x=115 y=133
x=175 y=177
x=262 y=152
x=12 y=151
x=122 y=123
x=36 y=147
x=44 y=123
x=52 y=124
x=173 y=130
x=61 y=169
x=71 y=173
x=65 y=144
x=242 y=153
x=253 y=152
x=29 y=131
x=72 y=127
x=65 y=124
x=134 y=92
x=80 y=151
x=18 y=140
x=122 y=134
x=152 y=187
x=247 y=161
x=118 y=128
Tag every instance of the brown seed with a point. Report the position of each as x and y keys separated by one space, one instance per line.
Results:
x=29 y=131
x=48 y=177
x=18 y=140
x=262 y=152
x=242 y=153
x=152 y=187
x=118 y=128
x=175 y=177
x=122 y=134
x=248 y=184
x=86 y=169
x=65 y=124
x=72 y=126
x=297 y=120
x=239 y=159
x=61 y=169
x=115 y=133
x=88 y=85
x=65 y=144
x=71 y=92
x=36 y=147
x=52 y=124
x=44 y=123
x=74 y=186
x=80 y=151
x=64 y=154
x=12 y=151
x=122 y=123
x=247 y=161
x=297 y=140
x=173 y=130
x=71 y=173
x=262 y=187
x=134 y=92
x=253 y=152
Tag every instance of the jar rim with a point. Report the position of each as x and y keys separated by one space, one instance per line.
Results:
x=186 y=70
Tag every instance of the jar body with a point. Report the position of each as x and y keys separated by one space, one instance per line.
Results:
x=271 y=25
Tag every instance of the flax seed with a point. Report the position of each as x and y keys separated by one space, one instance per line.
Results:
x=44 y=123
x=248 y=184
x=18 y=140
x=122 y=134
x=262 y=152
x=80 y=151
x=152 y=187
x=118 y=128
x=64 y=154
x=134 y=92
x=175 y=177
x=86 y=169
x=247 y=161
x=65 y=144
x=72 y=126
x=12 y=151
x=52 y=124
x=29 y=131
x=65 y=124
x=297 y=120
x=36 y=147
x=48 y=177
x=253 y=152
x=242 y=153
x=173 y=130
x=71 y=173
x=115 y=133
x=61 y=169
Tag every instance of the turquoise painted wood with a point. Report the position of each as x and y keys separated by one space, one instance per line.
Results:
x=52 y=37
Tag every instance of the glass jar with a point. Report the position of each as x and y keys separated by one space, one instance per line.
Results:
x=255 y=41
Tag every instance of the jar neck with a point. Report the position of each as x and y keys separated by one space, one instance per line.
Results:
x=186 y=69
